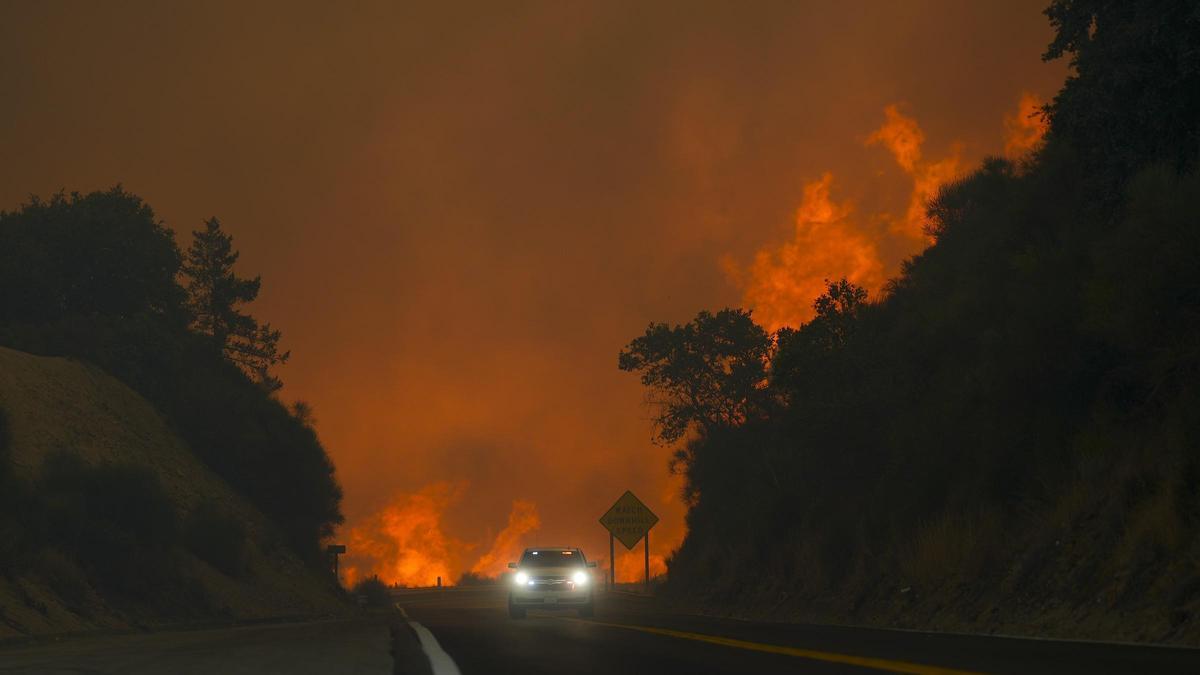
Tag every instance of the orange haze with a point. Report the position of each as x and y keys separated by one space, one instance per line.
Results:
x=462 y=211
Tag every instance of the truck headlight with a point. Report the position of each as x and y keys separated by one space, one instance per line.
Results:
x=580 y=578
x=521 y=578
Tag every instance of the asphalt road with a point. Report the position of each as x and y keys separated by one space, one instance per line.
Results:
x=468 y=631
x=360 y=646
x=630 y=635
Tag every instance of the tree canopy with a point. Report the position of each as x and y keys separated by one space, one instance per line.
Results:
x=709 y=372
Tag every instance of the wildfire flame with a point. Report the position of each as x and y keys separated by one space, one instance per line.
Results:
x=508 y=545
x=631 y=566
x=828 y=241
x=1024 y=129
x=902 y=136
x=782 y=282
x=405 y=543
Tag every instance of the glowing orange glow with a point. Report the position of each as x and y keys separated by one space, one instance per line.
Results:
x=782 y=282
x=1024 y=129
x=509 y=544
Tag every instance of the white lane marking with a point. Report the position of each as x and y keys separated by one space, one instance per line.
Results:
x=439 y=661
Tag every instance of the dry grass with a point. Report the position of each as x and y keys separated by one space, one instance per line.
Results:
x=56 y=405
x=951 y=547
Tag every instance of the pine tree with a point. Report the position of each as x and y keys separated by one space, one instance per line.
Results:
x=215 y=294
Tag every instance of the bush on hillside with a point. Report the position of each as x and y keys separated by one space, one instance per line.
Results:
x=116 y=519
x=373 y=592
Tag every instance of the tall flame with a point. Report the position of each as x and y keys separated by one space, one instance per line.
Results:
x=829 y=242
x=826 y=243
x=902 y=136
x=1024 y=129
x=508 y=545
x=404 y=542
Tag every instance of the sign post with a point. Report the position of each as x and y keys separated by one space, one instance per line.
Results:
x=646 y=541
x=333 y=551
x=612 y=567
x=630 y=521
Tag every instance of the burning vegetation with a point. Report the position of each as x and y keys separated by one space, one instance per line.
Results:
x=405 y=543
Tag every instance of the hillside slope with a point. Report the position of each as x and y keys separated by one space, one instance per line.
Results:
x=58 y=406
x=1005 y=437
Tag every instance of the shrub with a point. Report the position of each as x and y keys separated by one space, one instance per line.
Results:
x=473 y=579
x=374 y=593
x=116 y=519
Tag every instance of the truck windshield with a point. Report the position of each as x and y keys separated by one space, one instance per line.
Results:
x=552 y=558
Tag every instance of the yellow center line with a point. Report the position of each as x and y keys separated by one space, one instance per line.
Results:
x=831 y=657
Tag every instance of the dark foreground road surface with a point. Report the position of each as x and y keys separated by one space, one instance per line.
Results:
x=355 y=646
x=629 y=635
x=468 y=631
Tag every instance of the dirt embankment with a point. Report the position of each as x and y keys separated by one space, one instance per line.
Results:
x=57 y=407
x=1101 y=564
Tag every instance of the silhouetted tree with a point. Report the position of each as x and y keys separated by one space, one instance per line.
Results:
x=215 y=295
x=1134 y=95
x=709 y=372
x=802 y=352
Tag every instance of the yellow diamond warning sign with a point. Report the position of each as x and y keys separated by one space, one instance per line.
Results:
x=629 y=520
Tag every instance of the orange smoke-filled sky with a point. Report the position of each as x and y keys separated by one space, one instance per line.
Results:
x=461 y=212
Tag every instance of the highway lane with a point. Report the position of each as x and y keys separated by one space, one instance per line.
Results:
x=359 y=646
x=632 y=635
